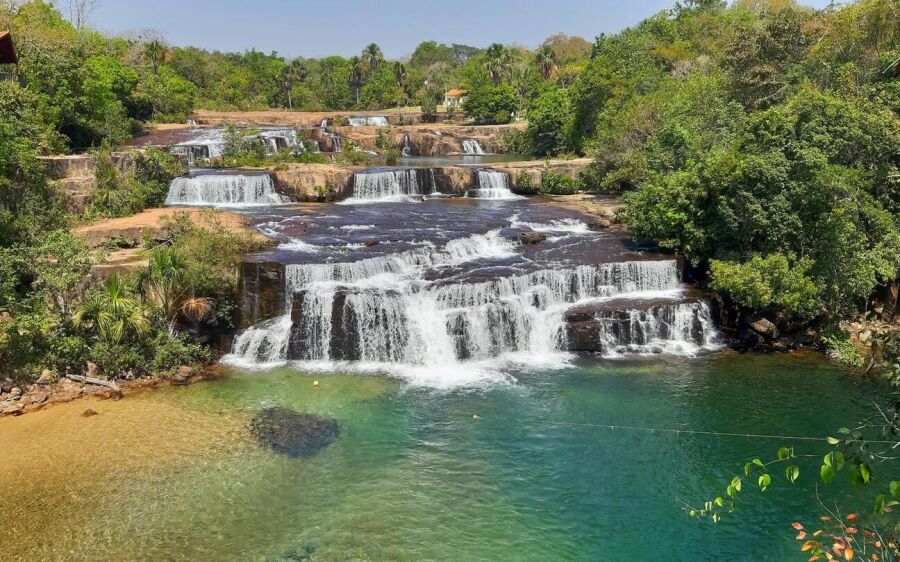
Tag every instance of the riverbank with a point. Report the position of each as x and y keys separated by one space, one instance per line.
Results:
x=46 y=392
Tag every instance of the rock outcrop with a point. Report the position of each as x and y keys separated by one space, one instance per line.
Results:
x=293 y=434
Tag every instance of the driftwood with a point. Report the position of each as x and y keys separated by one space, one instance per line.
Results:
x=98 y=382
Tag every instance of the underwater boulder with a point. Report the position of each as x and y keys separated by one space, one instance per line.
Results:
x=291 y=433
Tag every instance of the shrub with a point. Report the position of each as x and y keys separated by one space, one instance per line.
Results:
x=554 y=183
x=762 y=282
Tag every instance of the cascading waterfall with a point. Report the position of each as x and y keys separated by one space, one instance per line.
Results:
x=224 y=190
x=389 y=185
x=384 y=310
x=670 y=328
x=472 y=146
x=406 y=148
x=374 y=121
x=210 y=143
x=492 y=185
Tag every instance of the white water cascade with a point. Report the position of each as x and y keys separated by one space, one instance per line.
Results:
x=472 y=146
x=210 y=143
x=397 y=184
x=406 y=151
x=224 y=190
x=384 y=310
x=492 y=185
x=375 y=121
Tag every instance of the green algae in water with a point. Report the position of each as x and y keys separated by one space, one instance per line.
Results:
x=413 y=475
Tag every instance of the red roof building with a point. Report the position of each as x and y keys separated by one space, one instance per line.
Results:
x=8 y=53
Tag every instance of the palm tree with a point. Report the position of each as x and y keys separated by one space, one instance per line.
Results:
x=357 y=75
x=195 y=309
x=164 y=282
x=546 y=61
x=113 y=313
x=496 y=62
x=291 y=74
x=372 y=57
x=155 y=55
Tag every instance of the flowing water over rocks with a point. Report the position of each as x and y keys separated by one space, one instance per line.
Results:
x=472 y=146
x=492 y=185
x=443 y=292
x=210 y=188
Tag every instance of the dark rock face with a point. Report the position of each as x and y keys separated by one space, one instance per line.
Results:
x=293 y=434
x=261 y=292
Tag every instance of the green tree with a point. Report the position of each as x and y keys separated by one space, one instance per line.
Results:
x=549 y=122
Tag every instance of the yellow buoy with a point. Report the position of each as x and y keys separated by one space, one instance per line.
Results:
x=315 y=383
x=476 y=417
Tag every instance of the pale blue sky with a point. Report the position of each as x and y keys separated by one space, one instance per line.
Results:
x=314 y=28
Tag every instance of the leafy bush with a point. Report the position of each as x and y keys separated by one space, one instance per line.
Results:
x=144 y=185
x=491 y=104
x=555 y=183
x=773 y=280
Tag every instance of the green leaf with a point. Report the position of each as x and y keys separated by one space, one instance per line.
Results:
x=759 y=463
x=865 y=472
x=792 y=473
x=843 y=431
x=879 y=503
x=747 y=469
x=693 y=513
x=827 y=474
x=715 y=517
x=720 y=501
x=832 y=440
x=730 y=491
x=784 y=453
x=764 y=482
x=736 y=483
x=895 y=488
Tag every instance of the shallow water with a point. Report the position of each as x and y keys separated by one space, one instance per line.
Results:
x=174 y=474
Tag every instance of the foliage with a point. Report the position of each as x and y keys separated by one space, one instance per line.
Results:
x=549 y=119
x=861 y=454
x=491 y=104
x=144 y=185
x=210 y=254
x=555 y=183
x=773 y=280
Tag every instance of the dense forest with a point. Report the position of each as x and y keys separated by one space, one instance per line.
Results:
x=761 y=140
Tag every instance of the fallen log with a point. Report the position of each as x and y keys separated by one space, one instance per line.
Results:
x=98 y=382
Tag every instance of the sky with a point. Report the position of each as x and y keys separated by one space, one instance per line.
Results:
x=315 y=28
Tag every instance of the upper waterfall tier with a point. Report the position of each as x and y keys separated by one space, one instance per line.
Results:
x=392 y=184
x=224 y=190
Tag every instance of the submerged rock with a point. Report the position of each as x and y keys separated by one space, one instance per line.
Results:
x=292 y=433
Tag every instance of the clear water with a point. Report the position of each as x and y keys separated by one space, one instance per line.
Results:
x=173 y=474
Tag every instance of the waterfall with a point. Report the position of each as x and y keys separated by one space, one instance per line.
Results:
x=385 y=310
x=389 y=185
x=210 y=143
x=224 y=190
x=665 y=328
x=376 y=121
x=492 y=185
x=406 y=148
x=471 y=146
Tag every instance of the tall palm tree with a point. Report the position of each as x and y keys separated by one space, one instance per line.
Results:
x=372 y=57
x=292 y=73
x=114 y=314
x=357 y=75
x=545 y=59
x=164 y=282
x=155 y=55
x=496 y=62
